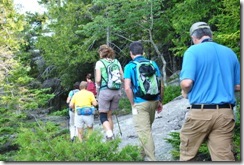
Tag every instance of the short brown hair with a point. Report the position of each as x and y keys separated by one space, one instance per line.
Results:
x=106 y=51
x=83 y=85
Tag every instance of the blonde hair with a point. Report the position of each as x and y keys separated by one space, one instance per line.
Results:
x=106 y=51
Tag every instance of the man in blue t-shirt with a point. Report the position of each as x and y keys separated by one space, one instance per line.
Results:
x=209 y=77
x=143 y=111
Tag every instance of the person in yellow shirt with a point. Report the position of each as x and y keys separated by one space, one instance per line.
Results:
x=83 y=102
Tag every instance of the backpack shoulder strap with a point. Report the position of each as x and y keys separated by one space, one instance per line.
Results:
x=103 y=78
x=103 y=63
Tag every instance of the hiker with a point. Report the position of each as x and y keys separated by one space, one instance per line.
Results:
x=72 y=129
x=83 y=103
x=209 y=77
x=143 y=107
x=90 y=84
x=108 y=82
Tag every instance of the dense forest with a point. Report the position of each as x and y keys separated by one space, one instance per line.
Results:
x=42 y=55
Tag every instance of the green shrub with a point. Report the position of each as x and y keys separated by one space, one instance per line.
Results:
x=174 y=140
x=41 y=144
x=171 y=92
x=124 y=106
x=64 y=112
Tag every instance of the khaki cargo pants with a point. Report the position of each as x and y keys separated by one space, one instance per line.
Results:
x=214 y=125
x=143 y=119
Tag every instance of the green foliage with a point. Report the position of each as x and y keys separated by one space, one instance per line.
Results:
x=174 y=140
x=222 y=16
x=63 y=112
x=124 y=106
x=41 y=144
x=171 y=92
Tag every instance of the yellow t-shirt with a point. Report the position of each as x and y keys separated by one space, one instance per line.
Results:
x=83 y=98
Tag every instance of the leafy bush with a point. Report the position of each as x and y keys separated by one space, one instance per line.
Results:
x=171 y=92
x=63 y=112
x=124 y=106
x=42 y=144
x=175 y=142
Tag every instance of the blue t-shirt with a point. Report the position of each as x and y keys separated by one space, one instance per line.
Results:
x=72 y=92
x=214 y=69
x=129 y=73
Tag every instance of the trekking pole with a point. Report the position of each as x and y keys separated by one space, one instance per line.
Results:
x=118 y=124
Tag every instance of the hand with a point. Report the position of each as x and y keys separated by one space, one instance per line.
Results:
x=159 y=108
x=184 y=94
x=134 y=110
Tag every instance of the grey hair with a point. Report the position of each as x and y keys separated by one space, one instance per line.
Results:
x=199 y=33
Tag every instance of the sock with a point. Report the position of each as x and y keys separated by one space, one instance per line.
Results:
x=109 y=133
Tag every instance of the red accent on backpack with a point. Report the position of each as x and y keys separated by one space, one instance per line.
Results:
x=91 y=87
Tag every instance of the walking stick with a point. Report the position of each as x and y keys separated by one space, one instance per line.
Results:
x=118 y=124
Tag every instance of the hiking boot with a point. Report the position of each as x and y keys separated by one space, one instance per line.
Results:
x=109 y=138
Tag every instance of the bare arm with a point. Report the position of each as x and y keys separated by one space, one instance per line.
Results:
x=98 y=77
x=186 y=86
x=122 y=74
x=128 y=91
x=68 y=100
x=94 y=102
x=72 y=105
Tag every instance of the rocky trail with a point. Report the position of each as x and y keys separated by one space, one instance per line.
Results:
x=170 y=119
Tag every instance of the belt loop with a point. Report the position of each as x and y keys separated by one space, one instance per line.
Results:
x=230 y=106
x=217 y=106
x=202 y=106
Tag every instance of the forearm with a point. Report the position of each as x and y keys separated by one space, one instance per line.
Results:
x=130 y=96
x=186 y=85
x=71 y=106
